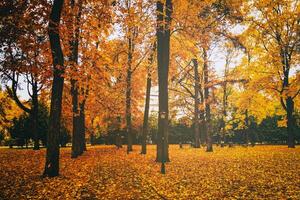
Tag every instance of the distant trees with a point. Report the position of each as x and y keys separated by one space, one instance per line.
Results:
x=21 y=129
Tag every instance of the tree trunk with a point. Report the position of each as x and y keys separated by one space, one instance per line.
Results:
x=209 y=147
x=52 y=153
x=146 y=114
x=202 y=116
x=92 y=136
x=75 y=151
x=92 y=139
x=290 y=122
x=196 y=106
x=34 y=113
x=246 y=128
x=147 y=103
x=224 y=102
x=163 y=57
x=82 y=143
x=74 y=44
x=128 y=94
x=289 y=103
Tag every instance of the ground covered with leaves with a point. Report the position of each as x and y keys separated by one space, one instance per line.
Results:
x=103 y=172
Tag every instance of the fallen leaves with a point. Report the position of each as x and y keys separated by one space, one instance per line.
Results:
x=103 y=172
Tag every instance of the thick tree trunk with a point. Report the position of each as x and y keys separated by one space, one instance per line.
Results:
x=52 y=154
x=146 y=114
x=289 y=103
x=290 y=122
x=163 y=57
x=209 y=147
x=196 y=106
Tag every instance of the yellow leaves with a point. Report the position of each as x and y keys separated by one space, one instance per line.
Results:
x=103 y=172
x=282 y=123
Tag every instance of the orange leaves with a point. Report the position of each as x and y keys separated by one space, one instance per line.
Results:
x=103 y=172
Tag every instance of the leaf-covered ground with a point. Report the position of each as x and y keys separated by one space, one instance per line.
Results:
x=103 y=172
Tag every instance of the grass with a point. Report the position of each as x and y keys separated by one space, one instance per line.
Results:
x=103 y=172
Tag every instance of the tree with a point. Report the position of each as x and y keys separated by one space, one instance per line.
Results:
x=147 y=102
x=197 y=103
x=24 y=54
x=274 y=31
x=75 y=12
x=52 y=154
x=164 y=12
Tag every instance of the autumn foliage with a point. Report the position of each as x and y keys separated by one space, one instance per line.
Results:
x=210 y=74
x=261 y=172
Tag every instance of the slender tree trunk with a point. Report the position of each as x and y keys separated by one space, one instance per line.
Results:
x=147 y=103
x=128 y=95
x=202 y=116
x=196 y=106
x=146 y=114
x=92 y=139
x=92 y=136
x=209 y=147
x=224 y=101
x=75 y=151
x=246 y=128
x=34 y=113
x=163 y=57
x=82 y=142
x=52 y=153
x=74 y=44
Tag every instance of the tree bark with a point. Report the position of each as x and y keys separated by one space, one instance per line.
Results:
x=209 y=147
x=34 y=113
x=289 y=102
x=52 y=153
x=147 y=103
x=163 y=57
x=196 y=106
x=128 y=95
x=224 y=100
x=146 y=114
x=75 y=150
x=82 y=143
x=74 y=44
x=290 y=122
x=246 y=128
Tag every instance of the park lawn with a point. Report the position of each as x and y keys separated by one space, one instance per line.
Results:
x=103 y=172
